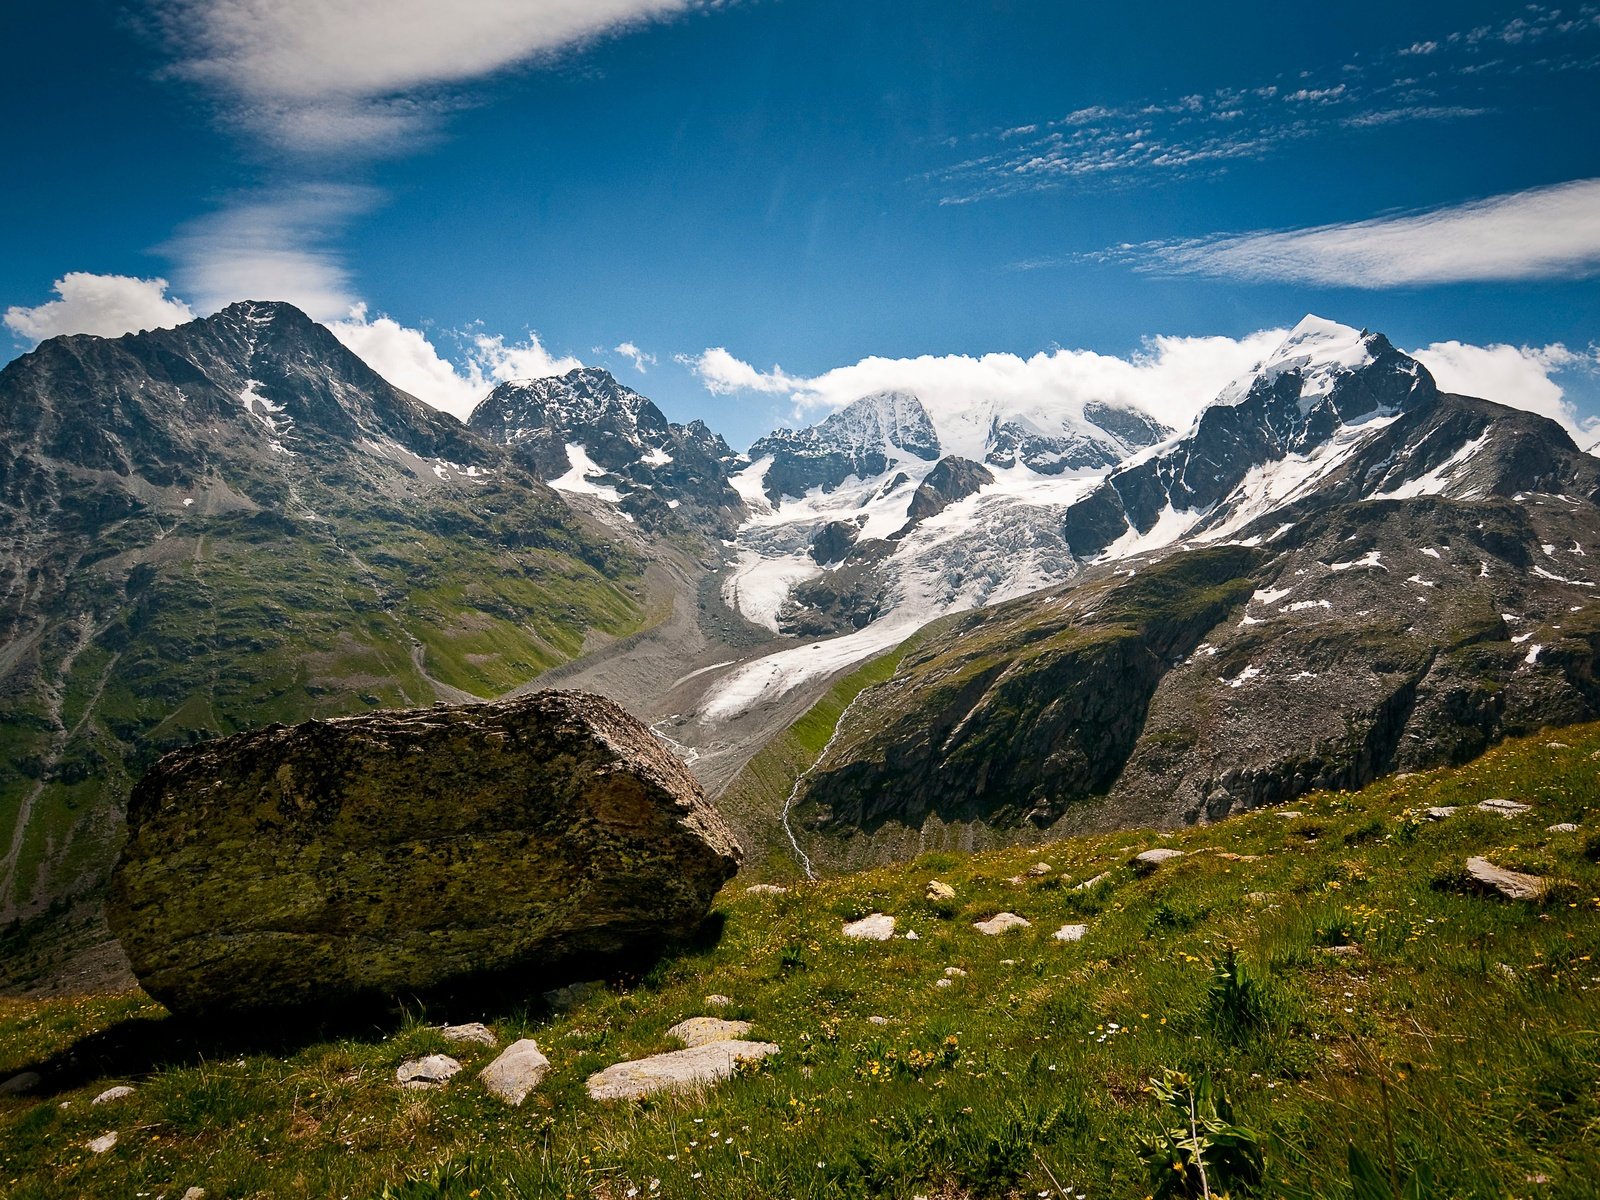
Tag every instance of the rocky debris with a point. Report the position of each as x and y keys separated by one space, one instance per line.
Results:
x=1561 y=827
x=875 y=927
x=573 y=994
x=1289 y=814
x=700 y=1031
x=474 y=1033
x=939 y=891
x=1001 y=923
x=1038 y=870
x=944 y=983
x=718 y=1000
x=20 y=1084
x=1070 y=933
x=879 y=1021
x=834 y=542
x=1557 y=746
x=482 y=840
x=677 y=1071
x=1439 y=812
x=1506 y=808
x=765 y=889
x=1347 y=950
x=1147 y=861
x=102 y=1143
x=430 y=1071
x=519 y=1069
x=954 y=973
x=1513 y=885
x=1092 y=883
x=112 y=1093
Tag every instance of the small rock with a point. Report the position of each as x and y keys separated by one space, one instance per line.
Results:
x=1070 y=933
x=911 y=935
x=1039 y=869
x=517 y=1071
x=476 y=1033
x=1348 y=950
x=1289 y=814
x=1230 y=856
x=878 y=1021
x=954 y=973
x=678 y=1071
x=939 y=891
x=429 y=1072
x=25 y=1081
x=1439 y=812
x=1095 y=882
x=1557 y=746
x=1260 y=897
x=943 y=983
x=1561 y=827
x=1506 y=808
x=717 y=1000
x=573 y=994
x=1506 y=970
x=697 y=1031
x=195 y=1193
x=1149 y=860
x=765 y=889
x=1001 y=923
x=112 y=1093
x=875 y=927
x=103 y=1143
x=1513 y=885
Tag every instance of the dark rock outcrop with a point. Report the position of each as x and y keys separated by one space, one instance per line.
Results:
x=862 y=440
x=403 y=853
x=833 y=542
x=952 y=478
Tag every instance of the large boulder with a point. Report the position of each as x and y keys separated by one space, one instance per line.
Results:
x=406 y=853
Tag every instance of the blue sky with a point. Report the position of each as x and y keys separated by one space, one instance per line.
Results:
x=807 y=184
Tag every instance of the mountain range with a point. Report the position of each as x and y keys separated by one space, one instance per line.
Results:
x=1090 y=620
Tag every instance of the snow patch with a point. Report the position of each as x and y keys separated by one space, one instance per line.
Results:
x=583 y=470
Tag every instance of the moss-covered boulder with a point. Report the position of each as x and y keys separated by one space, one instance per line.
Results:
x=406 y=853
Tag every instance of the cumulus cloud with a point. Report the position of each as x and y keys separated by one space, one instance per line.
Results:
x=1520 y=376
x=1543 y=233
x=409 y=360
x=1170 y=378
x=107 y=305
x=323 y=75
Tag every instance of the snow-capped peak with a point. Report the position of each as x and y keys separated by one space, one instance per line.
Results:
x=1318 y=349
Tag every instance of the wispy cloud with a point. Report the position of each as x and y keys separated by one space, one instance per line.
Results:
x=641 y=361
x=1544 y=233
x=1447 y=78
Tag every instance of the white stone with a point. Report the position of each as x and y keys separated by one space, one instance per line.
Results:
x=1148 y=860
x=1513 y=885
x=475 y=1033
x=954 y=972
x=112 y=1093
x=1039 y=869
x=195 y=1193
x=765 y=889
x=1071 y=933
x=911 y=935
x=698 y=1031
x=1506 y=808
x=718 y=1000
x=878 y=1020
x=1001 y=923
x=679 y=1071
x=1095 y=882
x=1439 y=812
x=943 y=983
x=517 y=1071
x=103 y=1143
x=875 y=927
x=1290 y=814
x=938 y=890
x=1561 y=827
x=430 y=1071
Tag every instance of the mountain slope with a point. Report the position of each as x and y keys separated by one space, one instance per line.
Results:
x=585 y=433
x=234 y=522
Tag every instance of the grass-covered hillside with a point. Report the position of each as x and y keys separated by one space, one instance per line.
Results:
x=1378 y=1028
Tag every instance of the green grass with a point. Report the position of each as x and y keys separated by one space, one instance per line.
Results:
x=1464 y=1032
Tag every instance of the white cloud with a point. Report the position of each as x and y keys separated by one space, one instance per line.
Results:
x=1171 y=378
x=723 y=374
x=410 y=361
x=273 y=247
x=107 y=305
x=633 y=354
x=321 y=75
x=1544 y=233
x=1516 y=375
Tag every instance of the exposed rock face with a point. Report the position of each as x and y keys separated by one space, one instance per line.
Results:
x=519 y=1069
x=401 y=852
x=863 y=440
x=833 y=542
x=953 y=478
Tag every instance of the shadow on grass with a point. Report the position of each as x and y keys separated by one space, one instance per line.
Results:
x=139 y=1046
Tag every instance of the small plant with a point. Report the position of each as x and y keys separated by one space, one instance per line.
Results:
x=1369 y=1180
x=1239 y=1003
x=1207 y=1154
